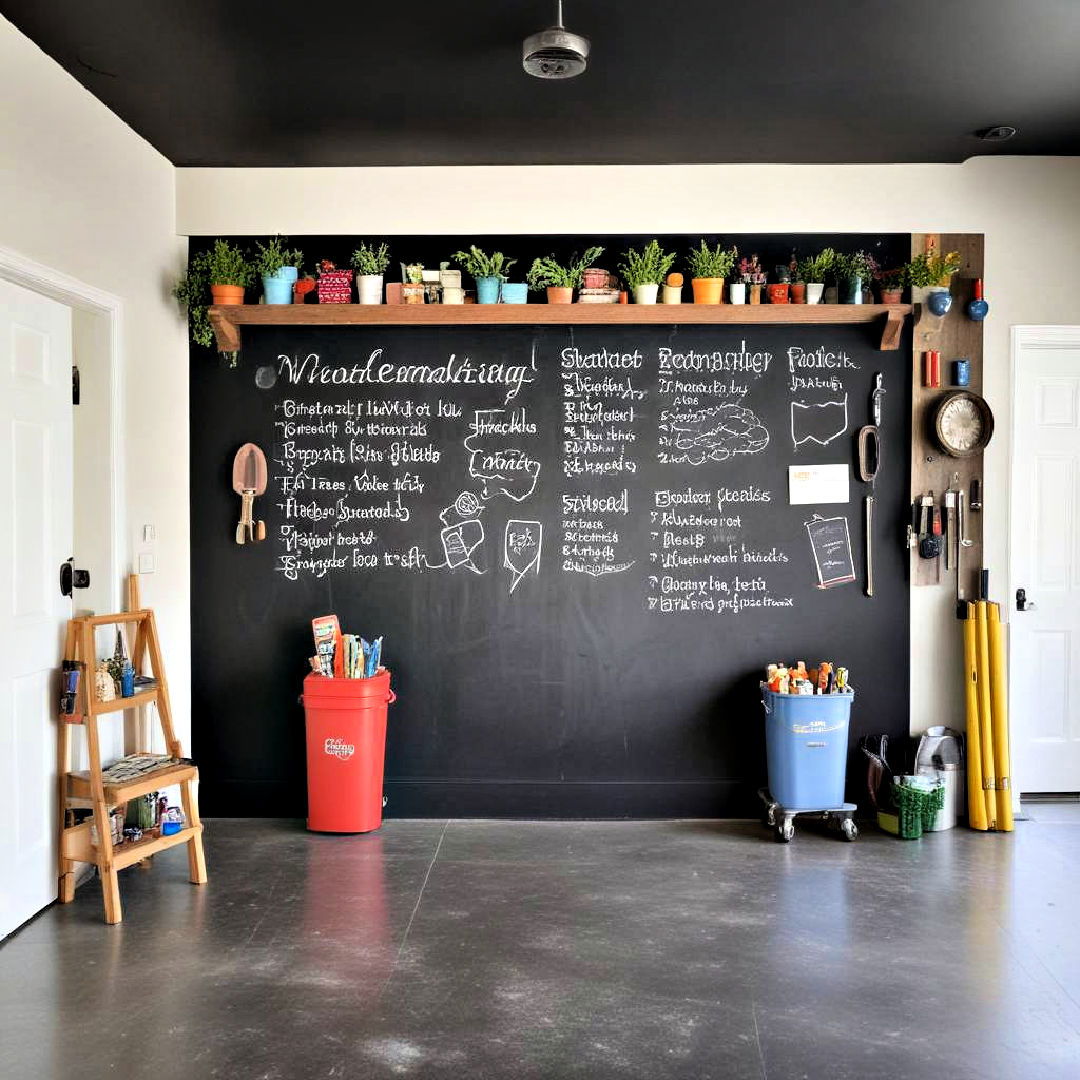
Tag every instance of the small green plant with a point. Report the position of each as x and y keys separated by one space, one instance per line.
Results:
x=707 y=262
x=228 y=265
x=272 y=257
x=371 y=260
x=929 y=269
x=548 y=272
x=192 y=292
x=646 y=267
x=891 y=280
x=813 y=268
x=480 y=265
x=857 y=265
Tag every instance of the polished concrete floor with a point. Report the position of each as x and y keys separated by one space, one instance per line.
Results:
x=546 y=950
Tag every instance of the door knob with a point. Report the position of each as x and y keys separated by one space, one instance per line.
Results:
x=70 y=578
x=1022 y=602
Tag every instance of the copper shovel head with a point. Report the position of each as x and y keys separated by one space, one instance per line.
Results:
x=249 y=470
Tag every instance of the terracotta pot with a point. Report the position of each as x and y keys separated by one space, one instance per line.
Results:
x=708 y=290
x=227 y=294
x=560 y=294
x=891 y=296
x=798 y=292
x=778 y=293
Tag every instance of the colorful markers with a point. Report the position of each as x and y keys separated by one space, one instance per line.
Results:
x=823 y=679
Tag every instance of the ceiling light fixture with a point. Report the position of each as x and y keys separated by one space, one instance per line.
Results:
x=555 y=53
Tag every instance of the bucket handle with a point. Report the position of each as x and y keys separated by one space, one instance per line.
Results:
x=392 y=698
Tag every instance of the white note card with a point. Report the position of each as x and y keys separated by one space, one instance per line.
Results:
x=818 y=484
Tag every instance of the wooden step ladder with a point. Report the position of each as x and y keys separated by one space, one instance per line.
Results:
x=76 y=842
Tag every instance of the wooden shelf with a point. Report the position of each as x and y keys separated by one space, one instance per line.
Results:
x=227 y=320
x=78 y=783
x=135 y=851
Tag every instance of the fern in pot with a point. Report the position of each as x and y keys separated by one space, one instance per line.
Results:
x=228 y=271
x=644 y=270
x=813 y=270
x=708 y=269
x=490 y=271
x=560 y=280
x=933 y=273
x=370 y=264
x=279 y=268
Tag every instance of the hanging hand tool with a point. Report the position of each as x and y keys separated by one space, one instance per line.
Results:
x=869 y=448
x=249 y=480
x=952 y=560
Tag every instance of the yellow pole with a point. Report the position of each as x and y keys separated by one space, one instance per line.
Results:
x=986 y=724
x=999 y=695
x=976 y=803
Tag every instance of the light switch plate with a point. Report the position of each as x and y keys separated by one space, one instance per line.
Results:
x=148 y=534
x=146 y=562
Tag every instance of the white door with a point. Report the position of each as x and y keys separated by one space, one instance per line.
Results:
x=1044 y=698
x=35 y=537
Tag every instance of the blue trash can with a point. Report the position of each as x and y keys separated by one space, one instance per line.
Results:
x=806 y=741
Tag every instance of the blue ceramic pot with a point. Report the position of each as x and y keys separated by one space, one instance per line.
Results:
x=977 y=310
x=487 y=290
x=278 y=288
x=939 y=301
x=849 y=290
x=516 y=293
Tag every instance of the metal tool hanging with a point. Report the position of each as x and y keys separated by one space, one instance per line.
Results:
x=869 y=450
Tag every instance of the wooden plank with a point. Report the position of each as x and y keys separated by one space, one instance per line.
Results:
x=76 y=846
x=116 y=618
x=954 y=335
x=80 y=784
x=226 y=320
x=132 y=852
x=144 y=697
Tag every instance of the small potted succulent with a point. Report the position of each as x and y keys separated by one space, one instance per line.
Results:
x=708 y=269
x=798 y=284
x=891 y=284
x=558 y=279
x=489 y=271
x=229 y=272
x=813 y=270
x=279 y=268
x=850 y=272
x=370 y=264
x=644 y=271
x=752 y=277
x=933 y=273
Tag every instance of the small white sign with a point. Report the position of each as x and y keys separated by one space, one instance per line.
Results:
x=818 y=484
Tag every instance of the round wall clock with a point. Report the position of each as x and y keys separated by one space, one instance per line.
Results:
x=962 y=423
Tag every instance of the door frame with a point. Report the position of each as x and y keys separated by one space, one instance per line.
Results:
x=20 y=270
x=1023 y=338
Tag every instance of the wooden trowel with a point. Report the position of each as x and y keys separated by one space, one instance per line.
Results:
x=248 y=481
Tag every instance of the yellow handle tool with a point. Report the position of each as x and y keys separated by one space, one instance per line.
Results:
x=999 y=702
x=976 y=802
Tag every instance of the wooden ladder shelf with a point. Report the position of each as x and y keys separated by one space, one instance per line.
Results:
x=76 y=842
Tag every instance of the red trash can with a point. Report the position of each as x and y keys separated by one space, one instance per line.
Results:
x=346 y=744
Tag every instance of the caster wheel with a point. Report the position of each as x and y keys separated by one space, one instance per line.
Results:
x=849 y=829
x=784 y=833
x=769 y=817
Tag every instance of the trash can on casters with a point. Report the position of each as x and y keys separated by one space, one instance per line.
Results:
x=806 y=742
x=346 y=744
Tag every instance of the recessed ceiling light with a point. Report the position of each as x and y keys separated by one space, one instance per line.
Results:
x=997 y=133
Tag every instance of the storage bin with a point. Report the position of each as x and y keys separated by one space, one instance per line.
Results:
x=806 y=742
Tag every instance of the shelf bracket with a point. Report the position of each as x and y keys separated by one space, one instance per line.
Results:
x=890 y=334
x=226 y=331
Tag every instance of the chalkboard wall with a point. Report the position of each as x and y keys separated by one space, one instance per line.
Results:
x=576 y=542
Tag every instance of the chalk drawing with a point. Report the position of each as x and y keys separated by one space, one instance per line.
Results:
x=717 y=434
x=522 y=542
x=819 y=423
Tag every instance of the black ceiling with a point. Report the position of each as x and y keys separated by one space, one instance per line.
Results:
x=439 y=82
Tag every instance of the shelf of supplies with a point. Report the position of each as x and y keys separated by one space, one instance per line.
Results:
x=79 y=785
x=133 y=851
x=227 y=320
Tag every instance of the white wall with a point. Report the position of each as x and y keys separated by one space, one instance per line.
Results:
x=84 y=195
x=1029 y=209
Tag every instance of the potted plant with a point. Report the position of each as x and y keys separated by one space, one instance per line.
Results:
x=891 y=284
x=752 y=277
x=490 y=272
x=370 y=264
x=279 y=268
x=672 y=293
x=933 y=273
x=708 y=269
x=644 y=270
x=560 y=281
x=850 y=272
x=228 y=271
x=798 y=285
x=813 y=270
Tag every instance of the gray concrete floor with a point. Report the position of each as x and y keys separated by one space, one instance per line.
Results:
x=548 y=950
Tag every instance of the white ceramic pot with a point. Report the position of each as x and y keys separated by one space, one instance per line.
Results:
x=646 y=294
x=452 y=295
x=369 y=288
x=672 y=294
x=737 y=290
x=814 y=291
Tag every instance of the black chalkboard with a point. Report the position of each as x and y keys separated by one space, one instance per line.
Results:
x=577 y=545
